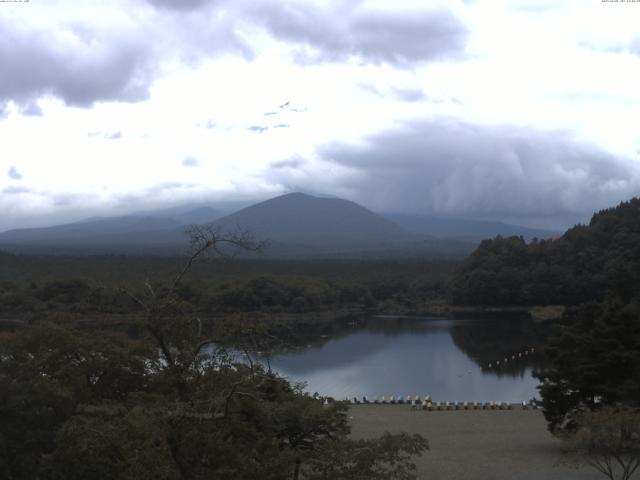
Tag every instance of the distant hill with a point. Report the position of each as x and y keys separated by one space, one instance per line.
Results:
x=96 y=233
x=162 y=229
x=464 y=229
x=188 y=214
x=298 y=224
x=199 y=216
x=585 y=264
x=301 y=218
x=295 y=225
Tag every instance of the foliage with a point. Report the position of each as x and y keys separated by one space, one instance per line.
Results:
x=366 y=460
x=585 y=264
x=609 y=441
x=168 y=404
x=592 y=362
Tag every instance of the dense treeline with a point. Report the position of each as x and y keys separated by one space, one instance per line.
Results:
x=90 y=285
x=586 y=263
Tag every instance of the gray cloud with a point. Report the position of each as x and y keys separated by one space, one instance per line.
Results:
x=31 y=109
x=635 y=45
x=409 y=94
x=113 y=135
x=75 y=63
x=15 y=190
x=86 y=63
x=208 y=32
x=191 y=162
x=397 y=93
x=14 y=174
x=294 y=162
x=257 y=128
x=181 y=5
x=398 y=37
x=449 y=167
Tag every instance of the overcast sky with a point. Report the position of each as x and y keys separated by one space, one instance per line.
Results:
x=523 y=110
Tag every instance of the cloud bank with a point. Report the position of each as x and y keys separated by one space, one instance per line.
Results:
x=77 y=64
x=445 y=166
x=397 y=37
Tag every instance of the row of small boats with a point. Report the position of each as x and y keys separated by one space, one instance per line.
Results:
x=426 y=403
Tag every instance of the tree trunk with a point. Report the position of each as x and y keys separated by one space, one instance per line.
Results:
x=296 y=470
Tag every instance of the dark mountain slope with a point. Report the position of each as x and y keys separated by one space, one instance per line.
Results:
x=89 y=230
x=463 y=228
x=303 y=219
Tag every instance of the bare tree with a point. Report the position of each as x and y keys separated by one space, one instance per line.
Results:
x=609 y=441
x=177 y=335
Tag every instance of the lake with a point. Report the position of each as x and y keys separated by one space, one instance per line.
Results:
x=447 y=359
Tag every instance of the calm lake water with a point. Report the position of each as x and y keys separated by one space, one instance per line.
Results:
x=447 y=359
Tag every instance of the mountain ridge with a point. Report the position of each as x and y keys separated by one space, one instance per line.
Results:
x=295 y=224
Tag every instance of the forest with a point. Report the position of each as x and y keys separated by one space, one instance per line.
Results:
x=36 y=287
x=587 y=263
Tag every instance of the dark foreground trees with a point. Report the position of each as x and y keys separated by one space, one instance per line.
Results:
x=592 y=363
x=591 y=390
x=167 y=404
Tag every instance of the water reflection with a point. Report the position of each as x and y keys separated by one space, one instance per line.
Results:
x=409 y=356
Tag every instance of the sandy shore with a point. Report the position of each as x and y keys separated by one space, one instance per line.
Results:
x=476 y=444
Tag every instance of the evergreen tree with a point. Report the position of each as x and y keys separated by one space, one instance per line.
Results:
x=593 y=362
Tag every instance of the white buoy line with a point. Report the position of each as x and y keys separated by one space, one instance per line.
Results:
x=508 y=358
